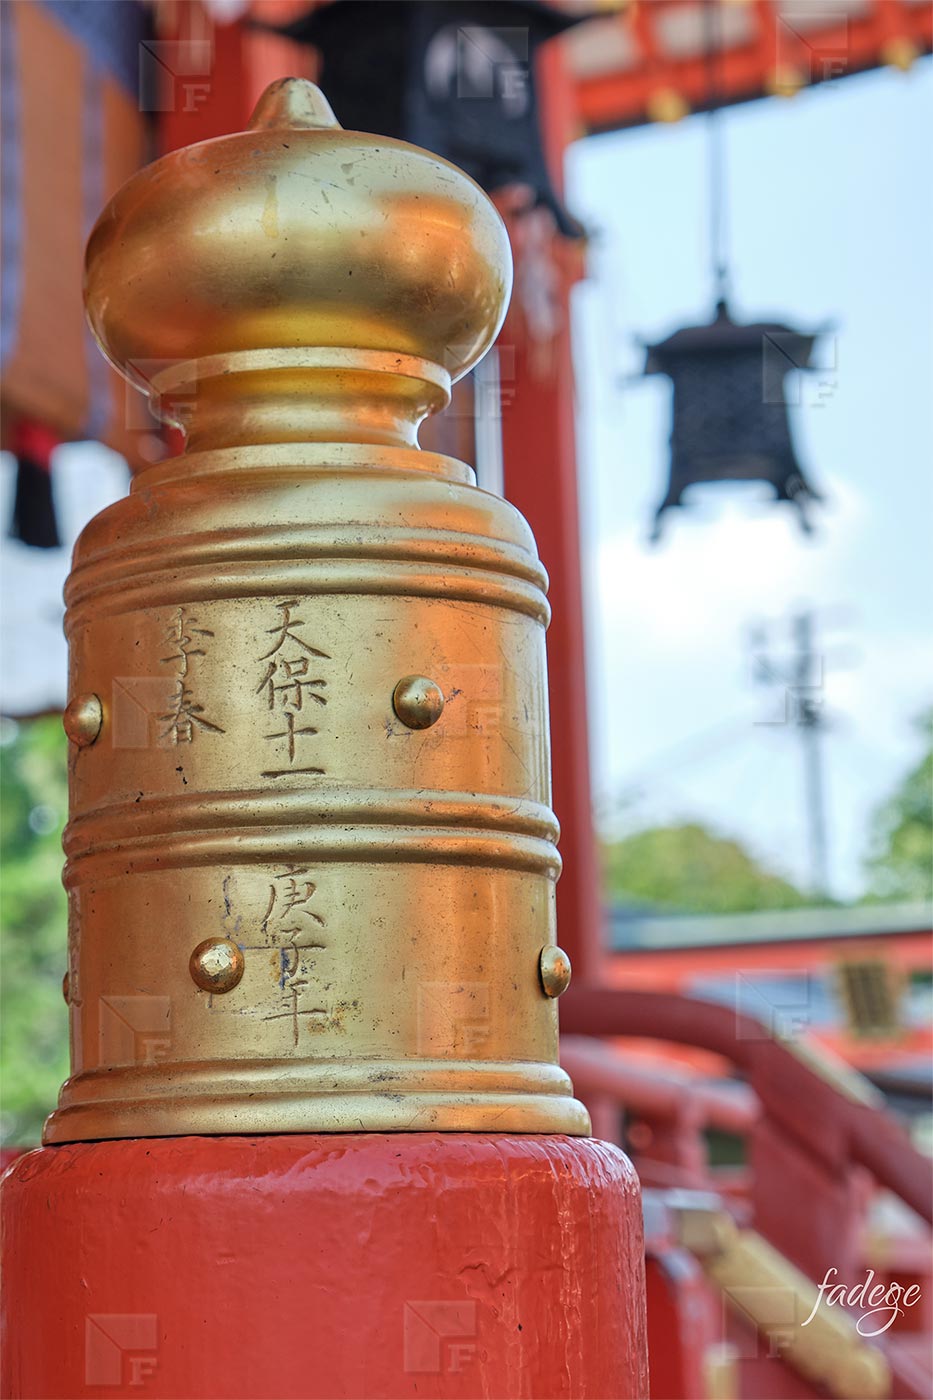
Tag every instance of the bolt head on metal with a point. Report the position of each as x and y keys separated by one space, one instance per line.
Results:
x=82 y=719
x=216 y=965
x=554 y=970
x=66 y=988
x=418 y=702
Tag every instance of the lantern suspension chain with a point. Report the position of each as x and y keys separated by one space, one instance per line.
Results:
x=716 y=153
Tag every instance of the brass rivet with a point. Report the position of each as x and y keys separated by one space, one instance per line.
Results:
x=554 y=970
x=82 y=719
x=901 y=53
x=216 y=965
x=418 y=702
x=667 y=105
x=66 y=987
x=785 y=82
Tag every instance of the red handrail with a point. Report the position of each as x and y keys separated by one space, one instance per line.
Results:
x=834 y=1124
x=596 y=1069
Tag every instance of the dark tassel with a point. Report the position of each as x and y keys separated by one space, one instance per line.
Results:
x=34 y=505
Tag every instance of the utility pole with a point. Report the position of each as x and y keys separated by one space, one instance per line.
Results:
x=810 y=719
x=801 y=676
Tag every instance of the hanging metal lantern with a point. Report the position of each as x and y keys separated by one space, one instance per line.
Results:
x=730 y=418
x=454 y=76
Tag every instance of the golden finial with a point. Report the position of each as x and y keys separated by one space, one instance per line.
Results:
x=311 y=855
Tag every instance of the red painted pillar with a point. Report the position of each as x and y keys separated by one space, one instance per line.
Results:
x=369 y=1265
x=540 y=479
x=539 y=450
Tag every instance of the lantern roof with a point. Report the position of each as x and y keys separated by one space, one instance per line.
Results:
x=723 y=334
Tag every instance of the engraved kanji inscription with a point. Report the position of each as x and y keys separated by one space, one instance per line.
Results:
x=293 y=927
x=293 y=688
x=184 y=715
x=291 y=934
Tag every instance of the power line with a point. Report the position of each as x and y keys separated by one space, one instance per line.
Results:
x=705 y=744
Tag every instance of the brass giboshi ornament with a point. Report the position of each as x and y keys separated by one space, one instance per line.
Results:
x=311 y=858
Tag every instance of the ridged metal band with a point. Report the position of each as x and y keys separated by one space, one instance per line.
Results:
x=308 y=560
x=327 y=358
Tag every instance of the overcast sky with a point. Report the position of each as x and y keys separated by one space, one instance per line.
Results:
x=830 y=205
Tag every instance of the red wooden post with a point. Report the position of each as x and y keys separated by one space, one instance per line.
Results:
x=541 y=480
x=364 y=1266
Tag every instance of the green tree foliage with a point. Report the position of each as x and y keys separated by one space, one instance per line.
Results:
x=688 y=867
x=33 y=926
x=900 y=865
